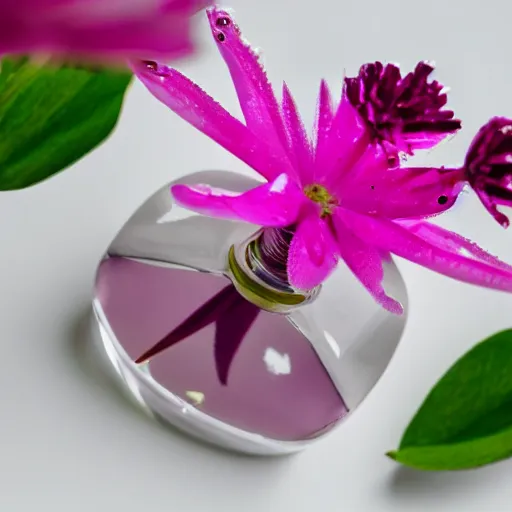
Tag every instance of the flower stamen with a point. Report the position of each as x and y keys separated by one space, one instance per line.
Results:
x=319 y=194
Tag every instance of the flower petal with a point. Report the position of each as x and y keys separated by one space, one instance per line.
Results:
x=371 y=162
x=452 y=242
x=257 y=100
x=193 y=105
x=344 y=144
x=365 y=262
x=313 y=253
x=413 y=192
x=393 y=237
x=103 y=29
x=300 y=143
x=324 y=119
x=273 y=204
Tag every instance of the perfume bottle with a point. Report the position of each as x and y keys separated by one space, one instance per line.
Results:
x=197 y=318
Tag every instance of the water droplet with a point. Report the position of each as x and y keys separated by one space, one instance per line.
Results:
x=223 y=22
x=393 y=160
x=150 y=64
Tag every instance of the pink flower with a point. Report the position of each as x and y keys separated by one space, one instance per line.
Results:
x=488 y=166
x=98 y=28
x=406 y=112
x=338 y=194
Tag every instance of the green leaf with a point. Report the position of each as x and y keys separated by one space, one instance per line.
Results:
x=52 y=115
x=466 y=419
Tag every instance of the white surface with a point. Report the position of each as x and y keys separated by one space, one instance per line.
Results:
x=69 y=443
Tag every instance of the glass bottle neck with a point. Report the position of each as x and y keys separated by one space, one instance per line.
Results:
x=258 y=269
x=267 y=256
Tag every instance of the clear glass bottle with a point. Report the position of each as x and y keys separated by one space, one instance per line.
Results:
x=250 y=364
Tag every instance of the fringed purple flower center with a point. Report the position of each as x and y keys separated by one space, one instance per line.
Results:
x=406 y=112
x=488 y=166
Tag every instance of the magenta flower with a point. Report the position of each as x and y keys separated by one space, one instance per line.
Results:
x=488 y=166
x=343 y=194
x=406 y=112
x=98 y=28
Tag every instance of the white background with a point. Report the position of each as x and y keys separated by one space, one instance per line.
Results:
x=68 y=443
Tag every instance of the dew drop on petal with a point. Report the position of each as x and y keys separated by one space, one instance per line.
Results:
x=224 y=21
x=150 y=64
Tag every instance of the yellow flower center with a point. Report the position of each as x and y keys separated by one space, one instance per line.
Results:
x=320 y=195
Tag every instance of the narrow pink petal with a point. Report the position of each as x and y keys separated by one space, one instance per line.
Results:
x=313 y=253
x=399 y=193
x=273 y=204
x=453 y=242
x=371 y=162
x=300 y=143
x=113 y=29
x=345 y=143
x=393 y=237
x=193 y=105
x=365 y=262
x=324 y=118
x=257 y=99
